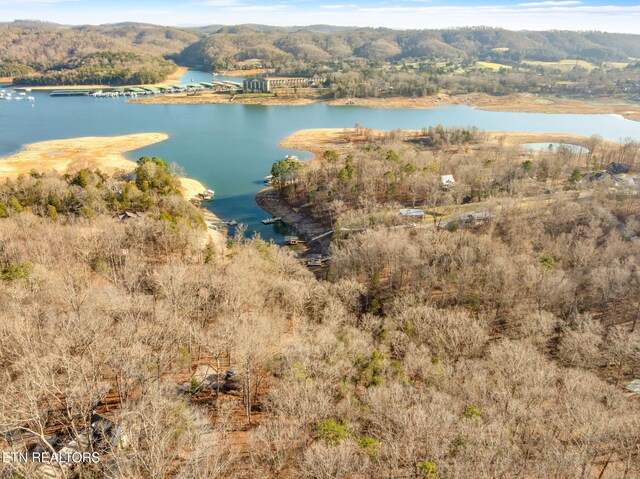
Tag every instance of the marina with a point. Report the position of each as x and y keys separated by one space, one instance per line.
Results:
x=230 y=147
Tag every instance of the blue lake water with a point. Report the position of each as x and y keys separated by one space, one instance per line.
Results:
x=231 y=147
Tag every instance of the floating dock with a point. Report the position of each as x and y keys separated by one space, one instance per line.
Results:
x=69 y=93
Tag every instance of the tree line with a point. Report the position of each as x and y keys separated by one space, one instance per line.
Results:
x=104 y=68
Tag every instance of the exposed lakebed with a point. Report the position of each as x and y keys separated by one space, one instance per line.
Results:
x=231 y=147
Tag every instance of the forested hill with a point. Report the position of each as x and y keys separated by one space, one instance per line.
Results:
x=35 y=47
x=230 y=45
x=133 y=51
x=42 y=45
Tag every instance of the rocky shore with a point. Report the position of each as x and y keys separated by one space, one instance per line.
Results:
x=308 y=228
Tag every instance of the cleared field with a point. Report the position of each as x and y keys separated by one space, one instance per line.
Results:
x=618 y=65
x=564 y=65
x=493 y=66
x=500 y=49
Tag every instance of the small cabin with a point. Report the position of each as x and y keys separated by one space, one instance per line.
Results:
x=447 y=180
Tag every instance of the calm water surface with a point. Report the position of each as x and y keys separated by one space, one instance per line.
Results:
x=231 y=147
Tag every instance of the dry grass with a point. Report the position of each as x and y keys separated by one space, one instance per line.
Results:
x=95 y=152
x=493 y=66
x=564 y=65
x=317 y=140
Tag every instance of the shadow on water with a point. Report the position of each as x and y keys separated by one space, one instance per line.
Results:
x=245 y=210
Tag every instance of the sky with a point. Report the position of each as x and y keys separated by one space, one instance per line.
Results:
x=605 y=15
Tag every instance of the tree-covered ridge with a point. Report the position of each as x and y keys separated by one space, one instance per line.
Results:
x=43 y=45
x=357 y=61
x=231 y=45
x=103 y=68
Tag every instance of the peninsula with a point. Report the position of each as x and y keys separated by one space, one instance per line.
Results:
x=516 y=102
x=105 y=153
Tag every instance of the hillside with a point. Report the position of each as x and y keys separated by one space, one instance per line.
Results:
x=136 y=52
x=43 y=45
x=492 y=348
x=357 y=62
x=228 y=45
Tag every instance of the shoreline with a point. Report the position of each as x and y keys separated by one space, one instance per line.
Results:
x=317 y=140
x=517 y=102
x=308 y=228
x=99 y=152
x=172 y=79
x=94 y=152
x=210 y=98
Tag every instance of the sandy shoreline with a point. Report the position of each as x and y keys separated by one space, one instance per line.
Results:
x=172 y=79
x=317 y=140
x=100 y=152
x=208 y=98
x=520 y=102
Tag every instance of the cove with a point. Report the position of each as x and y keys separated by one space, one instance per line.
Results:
x=231 y=147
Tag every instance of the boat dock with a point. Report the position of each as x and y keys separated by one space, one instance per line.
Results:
x=70 y=93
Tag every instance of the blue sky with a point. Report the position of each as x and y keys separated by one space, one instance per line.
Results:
x=612 y=15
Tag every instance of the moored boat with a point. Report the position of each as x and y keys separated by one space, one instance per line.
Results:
x=206 y=195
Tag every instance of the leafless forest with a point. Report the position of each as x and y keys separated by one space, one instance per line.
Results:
x=495 y=350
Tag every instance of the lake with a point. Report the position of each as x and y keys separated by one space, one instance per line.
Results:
x=231 y=147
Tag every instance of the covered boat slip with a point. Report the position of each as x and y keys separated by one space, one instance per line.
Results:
x=70 y=93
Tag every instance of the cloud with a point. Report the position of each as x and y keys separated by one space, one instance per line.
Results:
x=337 y=6
x=560 y=11
x=238 y=6
x=561 y=3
